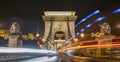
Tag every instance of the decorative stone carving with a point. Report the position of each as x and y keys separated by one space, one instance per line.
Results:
x=15 y=28
x=105 y=33
x=15 y=39
x=105 y=29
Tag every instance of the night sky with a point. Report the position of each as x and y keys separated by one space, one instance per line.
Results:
x=30 y=12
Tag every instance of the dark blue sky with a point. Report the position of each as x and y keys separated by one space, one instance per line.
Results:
x=30 y=11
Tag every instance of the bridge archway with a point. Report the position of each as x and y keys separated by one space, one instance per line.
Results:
x=59 y=35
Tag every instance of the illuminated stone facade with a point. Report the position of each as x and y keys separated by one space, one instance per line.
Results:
x=59 y=21
x=4 y=33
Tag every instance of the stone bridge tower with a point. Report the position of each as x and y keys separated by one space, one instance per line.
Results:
x=59 y=26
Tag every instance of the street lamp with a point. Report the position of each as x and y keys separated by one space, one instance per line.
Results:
x=37 y=35
x=76 y=39
x=82 y=35
x=43 y=39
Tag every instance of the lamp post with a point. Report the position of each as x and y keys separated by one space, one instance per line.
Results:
x=83 y=36
x=98 y=52
x=37 y=36
x=97 y=35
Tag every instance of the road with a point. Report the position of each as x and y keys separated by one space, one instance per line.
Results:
x=71 y=58
x=40 y=55
x=8 y=54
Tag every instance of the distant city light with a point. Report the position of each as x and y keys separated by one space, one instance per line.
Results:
x=43 y=39
x=100 y=19
x=84 y=19
x=116 y=11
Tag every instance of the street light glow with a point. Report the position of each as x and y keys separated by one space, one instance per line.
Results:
x=76 y=39
x=43 y=39
x=37 y=35
x=82 y=34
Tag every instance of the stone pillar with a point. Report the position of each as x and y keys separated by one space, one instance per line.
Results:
x=15 y=36
x=14 y=41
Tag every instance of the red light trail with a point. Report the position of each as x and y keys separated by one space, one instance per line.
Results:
x=85 y=44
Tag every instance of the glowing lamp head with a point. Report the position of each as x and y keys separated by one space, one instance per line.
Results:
x=82 y=34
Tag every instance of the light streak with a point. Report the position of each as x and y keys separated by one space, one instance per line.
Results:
x=82 y=30
x=87 y=17
x=78 y=45
x=99 y=19
x=77 y=33
x=116 y=11
x=23 y=50
x=89 y=25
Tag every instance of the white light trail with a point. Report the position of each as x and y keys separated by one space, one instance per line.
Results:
x=23 y=50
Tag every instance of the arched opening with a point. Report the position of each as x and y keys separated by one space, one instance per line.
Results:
x=59 y=35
